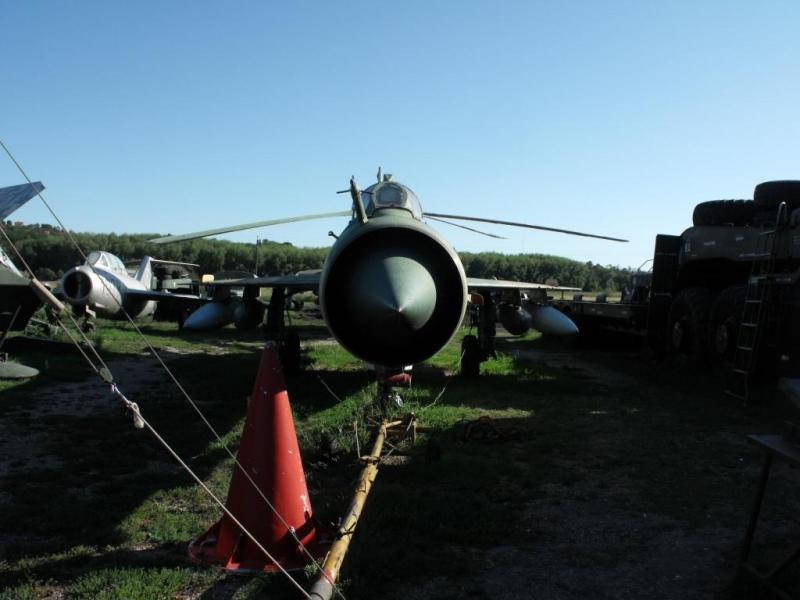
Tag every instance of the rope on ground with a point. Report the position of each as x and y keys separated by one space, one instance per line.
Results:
x=330 y=391
x=485 y=429
x=444 y=388
x=142 y=422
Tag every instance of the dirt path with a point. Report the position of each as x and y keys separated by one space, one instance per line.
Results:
x=22 y=434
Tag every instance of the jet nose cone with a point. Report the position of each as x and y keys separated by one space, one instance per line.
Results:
x=393 y=293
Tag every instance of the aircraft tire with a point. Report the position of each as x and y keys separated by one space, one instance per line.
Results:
x=183 y=314
x=290 y=353
x=721 y=212
x=687 y=326
x=470 y=357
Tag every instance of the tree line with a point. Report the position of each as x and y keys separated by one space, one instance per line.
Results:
x=50 y=253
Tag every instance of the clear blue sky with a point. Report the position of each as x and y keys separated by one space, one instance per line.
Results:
x=608 y=117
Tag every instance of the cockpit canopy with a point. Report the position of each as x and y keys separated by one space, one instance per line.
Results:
x=106 y=260
x=390 y=194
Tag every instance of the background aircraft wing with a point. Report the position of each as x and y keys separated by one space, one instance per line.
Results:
x=163 y=296
x=11 y=198
x=169 y=239
x=303 y=281
x=475 y=283
x=440 y=216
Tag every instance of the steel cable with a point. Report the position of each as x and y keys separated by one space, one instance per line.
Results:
x=157 y=356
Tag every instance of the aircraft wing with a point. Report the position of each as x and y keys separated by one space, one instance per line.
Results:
x=301 y=282
x=309 y=281
x=162 y=296
x=475 y=283
x=11 y=198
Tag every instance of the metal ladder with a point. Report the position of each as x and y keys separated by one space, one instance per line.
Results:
x=754 y=315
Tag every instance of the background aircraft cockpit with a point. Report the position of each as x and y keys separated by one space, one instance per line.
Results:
x=105 y=260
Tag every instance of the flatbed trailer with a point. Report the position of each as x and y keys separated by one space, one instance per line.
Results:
x=723 y=294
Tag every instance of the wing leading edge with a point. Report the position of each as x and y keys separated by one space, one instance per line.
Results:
x=474 y=283
x=309 y=281
x=301 y=282
x=162 y=296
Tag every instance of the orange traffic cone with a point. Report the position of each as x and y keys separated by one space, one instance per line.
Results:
x=270 y=455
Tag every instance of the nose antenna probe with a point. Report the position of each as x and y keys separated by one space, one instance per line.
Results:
x=358 y=204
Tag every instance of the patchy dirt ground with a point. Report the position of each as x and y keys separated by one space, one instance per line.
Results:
x=642 y=506
x=23 y=432
x=621 y=480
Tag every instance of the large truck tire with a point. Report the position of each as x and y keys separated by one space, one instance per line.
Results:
x=687 y=326
x=723 y=326
x=768 y=195
x=724 y=212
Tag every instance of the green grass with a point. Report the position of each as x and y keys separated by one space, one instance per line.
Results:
x=112 y=519
x=137 y=584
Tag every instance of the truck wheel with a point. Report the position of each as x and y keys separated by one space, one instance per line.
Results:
x=726 y=314
x=721 y=212
x=770 y=194
x=470 y=357
x=687 y=325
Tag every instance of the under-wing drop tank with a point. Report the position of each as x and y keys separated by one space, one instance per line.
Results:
x=551 y=321
x=213 y=315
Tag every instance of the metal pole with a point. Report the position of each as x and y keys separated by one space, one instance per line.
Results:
x=751 y=527
x=323 y=586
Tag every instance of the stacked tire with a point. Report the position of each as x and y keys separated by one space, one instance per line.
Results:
x=736 y=213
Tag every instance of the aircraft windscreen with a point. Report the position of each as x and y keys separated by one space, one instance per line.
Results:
x=106 y=261
x=391 y=195
x=115 y=263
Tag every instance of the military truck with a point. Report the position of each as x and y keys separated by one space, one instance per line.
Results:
x=723 y=293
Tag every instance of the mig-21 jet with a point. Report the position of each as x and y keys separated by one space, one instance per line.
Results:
x=393 y=292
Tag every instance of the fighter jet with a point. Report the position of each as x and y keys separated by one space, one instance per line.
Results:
x=102 y=286
x=393 y=292
x=18 y=300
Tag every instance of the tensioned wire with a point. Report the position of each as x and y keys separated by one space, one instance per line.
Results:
x=134 y=408
x=157 y=356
